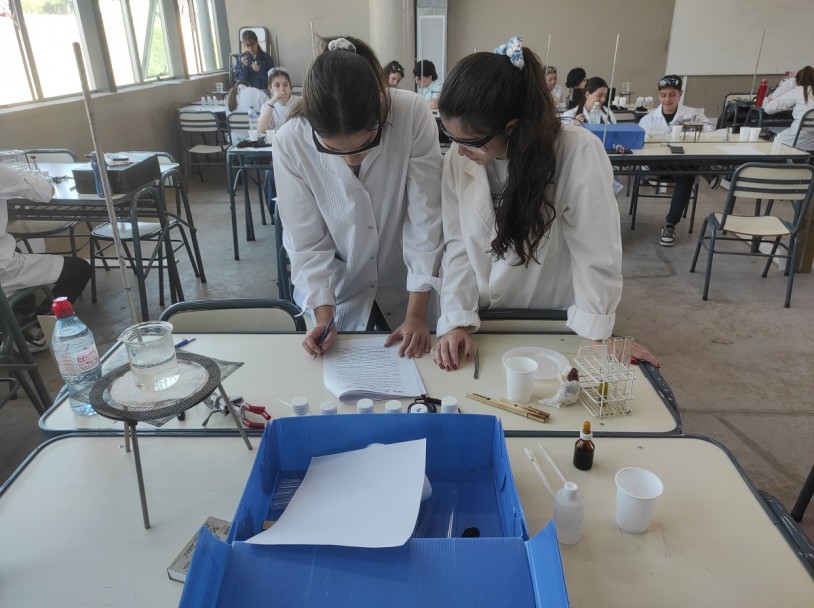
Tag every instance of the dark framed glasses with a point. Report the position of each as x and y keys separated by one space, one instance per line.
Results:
x=368 y=146
x=670 y=81
x=473 y=144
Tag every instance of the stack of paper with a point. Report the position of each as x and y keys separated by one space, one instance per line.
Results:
x=357 y=369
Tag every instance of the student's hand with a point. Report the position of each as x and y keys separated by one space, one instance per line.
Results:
x=414 y=335
x=274 y=99
x=244 y=60
x=447 y=350
x=641 y=353
x=323 y=315
x=256 y=66
x=580 y=118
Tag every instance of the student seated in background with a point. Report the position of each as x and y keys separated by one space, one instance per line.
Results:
x=394 y=72
x=554 y=88
x=530 y=219
x=426 y=78
x=595 y=92
x=574 y=82
x=18 y=271
x=660 y=121
x=243 y=96
x=799 y=99
x=254 y=63
x=783 y=87
x=274 y=111
x=358 y=169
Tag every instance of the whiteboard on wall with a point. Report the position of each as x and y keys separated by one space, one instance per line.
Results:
x=721 y=37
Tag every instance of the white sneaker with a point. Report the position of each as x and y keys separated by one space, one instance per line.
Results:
x=668 y=235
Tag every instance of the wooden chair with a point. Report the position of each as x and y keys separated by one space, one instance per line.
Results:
x=758 y=182
x=246 y=315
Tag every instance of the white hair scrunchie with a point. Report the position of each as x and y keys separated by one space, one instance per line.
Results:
x=341 y=44
x=513 y=49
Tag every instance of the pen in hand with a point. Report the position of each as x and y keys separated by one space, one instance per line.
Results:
x=324 y=335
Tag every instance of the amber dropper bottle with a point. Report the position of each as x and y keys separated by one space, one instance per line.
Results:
x=584 y=448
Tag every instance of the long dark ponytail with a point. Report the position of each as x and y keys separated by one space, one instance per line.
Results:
x=484 y=92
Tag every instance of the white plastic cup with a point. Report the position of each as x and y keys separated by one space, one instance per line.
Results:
x=675 y=135
x=252 y=134
x=754 y=133
x=219 y=87
x=636 y=492
x=744 y=134
x=270 y=135
x=520 y=378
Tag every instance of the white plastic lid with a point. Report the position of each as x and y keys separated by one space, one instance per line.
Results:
x=392 y=407
x=364 y=406
x=300 y=406
x=327 y=407
x=449 y=405
x=570 y=490
x=586 y=436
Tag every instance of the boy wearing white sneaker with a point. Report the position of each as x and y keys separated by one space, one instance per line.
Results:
x=669 y=113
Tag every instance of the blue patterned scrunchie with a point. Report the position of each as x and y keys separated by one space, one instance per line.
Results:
x=513 y=49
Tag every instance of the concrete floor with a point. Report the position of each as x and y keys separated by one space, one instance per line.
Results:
x=740 y=364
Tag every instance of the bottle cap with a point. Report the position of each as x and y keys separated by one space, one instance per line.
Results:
x=300 y=406
x=327 y=407
x=449 y=405
x=586 y=434
x=61 y=307
x=364 y=406
x=570 y=490
x=392 y=407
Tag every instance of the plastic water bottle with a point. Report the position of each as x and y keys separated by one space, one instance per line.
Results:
x=594 y=118
x=253 y=119
x=97 y=176
x=76 y=354
x=569 y=511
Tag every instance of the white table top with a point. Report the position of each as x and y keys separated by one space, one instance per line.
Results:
x=277 y=367
x=716 y=147
x=218 y=109
x=71 y=529
x=710 y=542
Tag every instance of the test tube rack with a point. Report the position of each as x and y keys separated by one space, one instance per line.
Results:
x=606 y=377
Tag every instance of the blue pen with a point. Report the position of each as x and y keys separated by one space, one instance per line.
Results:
x=184 y=342
x=324 y=335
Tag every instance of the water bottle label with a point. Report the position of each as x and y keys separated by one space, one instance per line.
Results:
x=71 y=364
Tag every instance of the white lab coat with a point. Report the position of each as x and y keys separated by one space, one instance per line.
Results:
x=683 y=114
x=353 y=240
x=569 y=116
x=556 y=93
x=793 y=100
x=579 y=264
x=19 y=271
x=274 y=116
x=786 y=85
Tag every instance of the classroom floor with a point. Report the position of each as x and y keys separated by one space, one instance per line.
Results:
x=740 y=364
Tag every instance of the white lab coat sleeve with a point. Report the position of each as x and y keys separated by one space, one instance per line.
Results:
x=786 y=101
x=646 y=121
x=19 y=185
x=422 y=236
x=306 y=237
x=591 y=229
x=459 y=289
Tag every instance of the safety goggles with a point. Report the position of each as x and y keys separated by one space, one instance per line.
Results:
x=670 y=81
x=551 y=70
x=368 y=146
x=475 y=145
x=277 y=72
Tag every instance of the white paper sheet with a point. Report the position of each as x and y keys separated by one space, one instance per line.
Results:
x=364 y=498
x=741 y=149
x=355 y=369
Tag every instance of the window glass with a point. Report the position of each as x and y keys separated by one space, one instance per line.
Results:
x=150 y=31
x=15 y=87
x=116 y=35
x=52 y=29
x=200 y=37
